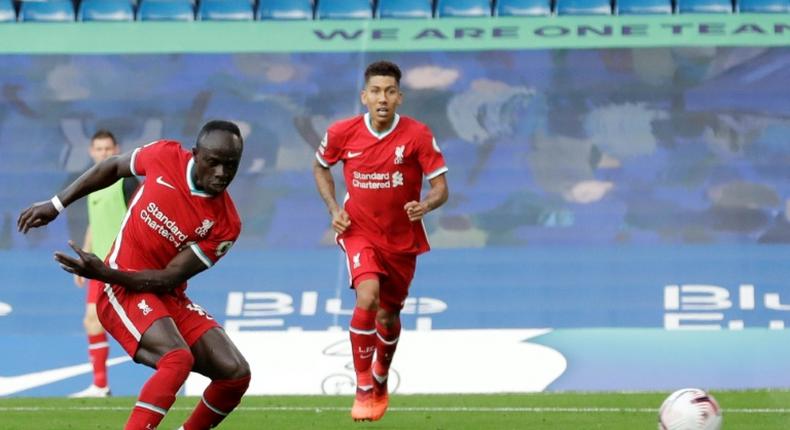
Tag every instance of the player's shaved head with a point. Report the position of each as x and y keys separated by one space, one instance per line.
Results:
x=383 y=68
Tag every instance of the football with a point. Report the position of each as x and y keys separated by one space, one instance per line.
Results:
x=689 y=409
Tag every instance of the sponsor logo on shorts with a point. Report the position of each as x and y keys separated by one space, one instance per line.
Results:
x=143 y=306
x=194 y=307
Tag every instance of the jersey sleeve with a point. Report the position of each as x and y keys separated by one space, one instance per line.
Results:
x=216 y=245
x=146 y=156
x=430 y=157
x=330 y=150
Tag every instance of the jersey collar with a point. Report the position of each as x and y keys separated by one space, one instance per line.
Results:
x=383 y=134
x=192 y=188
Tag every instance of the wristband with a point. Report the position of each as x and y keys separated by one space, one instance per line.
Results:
x=57 y=203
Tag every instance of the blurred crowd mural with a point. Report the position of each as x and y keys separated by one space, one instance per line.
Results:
x=560 y=147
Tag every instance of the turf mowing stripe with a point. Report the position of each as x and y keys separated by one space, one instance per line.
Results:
x=399 y=409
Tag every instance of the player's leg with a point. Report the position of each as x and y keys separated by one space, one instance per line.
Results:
x=387 y=335
x=364 y=271
x=217 y=358
x=362 y=333
x=98 y=347
x=393 y=293
x=163 y=348
x=142 y=324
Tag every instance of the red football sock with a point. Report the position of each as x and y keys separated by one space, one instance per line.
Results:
x=219 y=399
x=98 y=350
x=386 y=343
x=159 y=393
x=363 y=343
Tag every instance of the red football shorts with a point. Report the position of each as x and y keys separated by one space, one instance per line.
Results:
x=126 y=315
x=94 y=288
x=395 y=271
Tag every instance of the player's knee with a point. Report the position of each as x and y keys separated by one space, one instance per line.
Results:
x=235 y=368
x=178 y=360
x=367 y=300
x=386 y=318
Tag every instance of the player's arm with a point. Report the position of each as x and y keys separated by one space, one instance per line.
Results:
x=183 y=266
x=326 y=188
x=99 y=176
x=435 y=197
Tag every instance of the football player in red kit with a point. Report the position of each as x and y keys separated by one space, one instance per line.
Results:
x=379 y=227
x=180 y=222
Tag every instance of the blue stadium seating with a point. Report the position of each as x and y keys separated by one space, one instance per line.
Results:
x=344 y=9
x=399 y=9
x=285 y=9
x=643 y=7
x=522 y=8
x=166 y=10
x=47 y=11
x=225 y=10
x=764 y=6
x=463 y=8
x=584 y=7
x=704 y=6
x=105 y=10
x=7 y=12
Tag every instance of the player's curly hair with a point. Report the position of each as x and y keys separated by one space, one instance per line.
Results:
x=383 y=68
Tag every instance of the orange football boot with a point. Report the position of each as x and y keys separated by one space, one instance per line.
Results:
x=363 y=406
x=381 y=398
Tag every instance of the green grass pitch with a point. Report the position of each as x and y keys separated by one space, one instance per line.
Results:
x=748 y=410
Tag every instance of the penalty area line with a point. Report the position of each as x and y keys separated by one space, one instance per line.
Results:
x=448 y=409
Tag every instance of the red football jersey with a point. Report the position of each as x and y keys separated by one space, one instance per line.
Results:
x=168 y=213
x=383 y=171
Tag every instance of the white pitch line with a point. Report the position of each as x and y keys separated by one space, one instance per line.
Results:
x=319 y=409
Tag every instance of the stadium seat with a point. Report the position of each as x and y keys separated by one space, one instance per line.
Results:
x=344 y=9
x=763 y=6
x=704 y=6
x=7 y=13
x=225 y=10
x=522 y=8
x=643 y=7
x=166 y=10
x=105 y=10
x=47 y=11
x=400 y=9
x=285 y=9
x=584 y=7
x=463 y=8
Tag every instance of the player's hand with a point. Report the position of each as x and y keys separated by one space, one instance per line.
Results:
x=340 y=220
x=88 y=265
x=415 y=210
x=37 y=215
x=79 y=281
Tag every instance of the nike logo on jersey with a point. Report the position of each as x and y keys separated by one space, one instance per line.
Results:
x=354 y=154
x=161 y=181
x=15 y=384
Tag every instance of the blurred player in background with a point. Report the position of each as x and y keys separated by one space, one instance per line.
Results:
x=385 y=158
x=180 y=222
x=106 y=209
